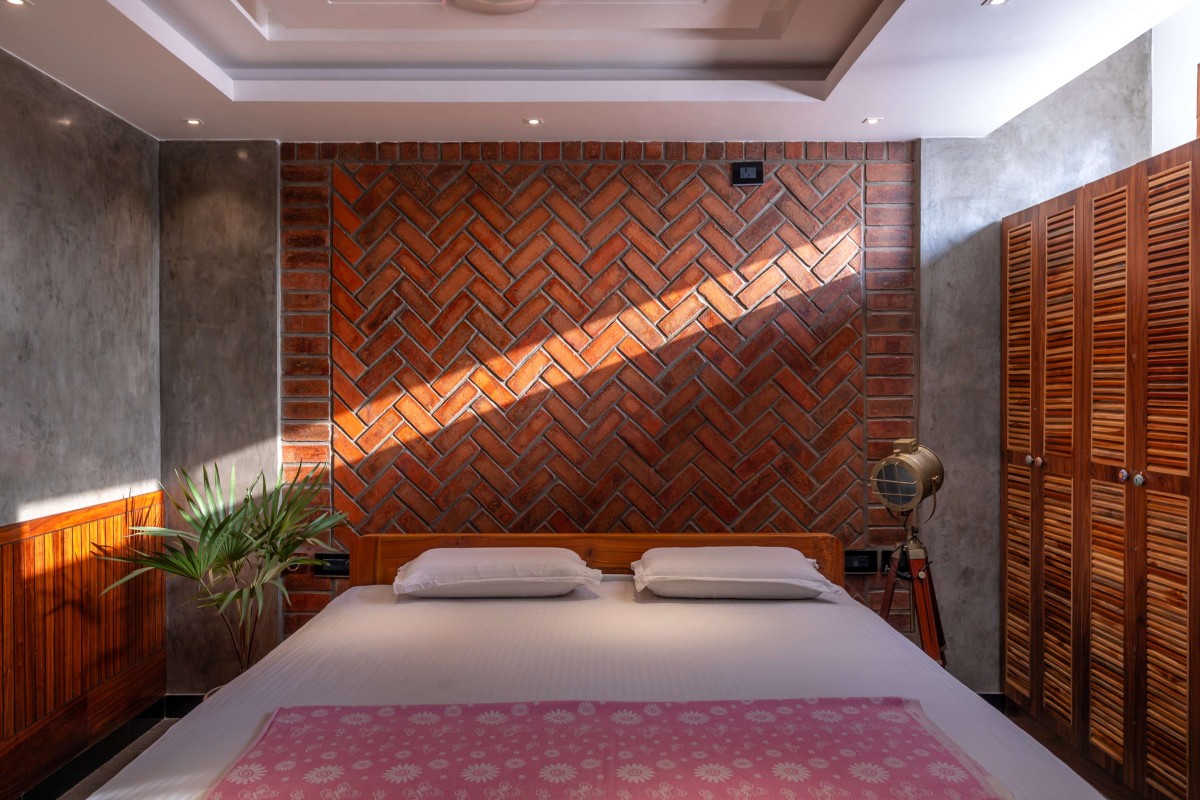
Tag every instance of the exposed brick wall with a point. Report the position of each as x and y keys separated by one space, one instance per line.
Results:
x=596 y=335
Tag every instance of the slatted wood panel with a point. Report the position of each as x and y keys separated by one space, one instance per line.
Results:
x=1059 y=381
x=61 y=643
x=1129 y=618
x=1107 y=661
x=1018 y=592
x=1168 y=315
x=1110 y=237
x=1167 y=643
x=1057 y=532
x=1019 y=337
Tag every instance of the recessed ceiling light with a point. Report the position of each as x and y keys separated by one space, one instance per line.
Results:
x=16 y=2
x=872 y=120
x=193 y=122
x=534 y=121
x=994 y=2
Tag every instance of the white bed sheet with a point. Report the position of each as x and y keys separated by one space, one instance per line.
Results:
x=368 y=648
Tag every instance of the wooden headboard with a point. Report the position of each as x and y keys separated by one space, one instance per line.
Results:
x=374 y=558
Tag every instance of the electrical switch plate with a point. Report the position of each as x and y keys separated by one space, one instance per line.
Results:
x=333 y=565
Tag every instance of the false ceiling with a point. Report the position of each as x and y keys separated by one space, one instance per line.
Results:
x=365 y=70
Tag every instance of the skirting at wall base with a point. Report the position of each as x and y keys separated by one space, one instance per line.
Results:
x=172 y=706
x=87 y=721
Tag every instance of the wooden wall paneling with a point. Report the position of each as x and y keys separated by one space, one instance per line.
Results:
x=1193 y=486
x=1106 y=526
x=1016 y=411
x=1135 y=509
x=1100 y=600
x=1166 y=726
x=1055 y=416
x=1081 y=549
x=1057 y=626
x=1168 y=329
x=1037 y=439
x=75 y=665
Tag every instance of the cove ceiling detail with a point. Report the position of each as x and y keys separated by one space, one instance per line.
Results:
x=647 y=70
x=409 y=50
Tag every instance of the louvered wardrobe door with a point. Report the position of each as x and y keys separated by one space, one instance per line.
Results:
x=1058 y=354
x=1019 y=523
x=1107 y=599
x=1169 y=454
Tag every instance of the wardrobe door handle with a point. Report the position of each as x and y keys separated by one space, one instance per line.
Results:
x=1123 y=476
x=1139 y=479
x=1028 y=460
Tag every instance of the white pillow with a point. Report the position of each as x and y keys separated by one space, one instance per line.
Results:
x=747 y=573
x=494 y=572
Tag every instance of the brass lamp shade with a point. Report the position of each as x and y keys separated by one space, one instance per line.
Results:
x=906 y=477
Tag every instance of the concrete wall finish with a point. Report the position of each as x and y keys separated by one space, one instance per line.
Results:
x=219 y=354
x=1096 y=125
x=79 y=369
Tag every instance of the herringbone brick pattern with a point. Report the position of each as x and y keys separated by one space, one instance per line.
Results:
x=610 y=340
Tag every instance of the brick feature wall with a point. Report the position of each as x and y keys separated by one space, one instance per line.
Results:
x=596 y=336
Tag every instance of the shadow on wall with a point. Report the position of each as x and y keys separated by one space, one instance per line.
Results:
x=747 y=423
x=551 y=347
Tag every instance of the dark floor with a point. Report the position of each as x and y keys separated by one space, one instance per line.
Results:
x=60 y=787
x=1104 y=783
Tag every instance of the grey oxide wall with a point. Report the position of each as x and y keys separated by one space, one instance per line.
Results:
x=219 y=353
x=1098 y=124
x=79 y=381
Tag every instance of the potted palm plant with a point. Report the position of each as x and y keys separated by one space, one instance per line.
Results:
x=235 y=549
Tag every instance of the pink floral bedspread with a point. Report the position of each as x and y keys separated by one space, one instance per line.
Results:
x=816 y=749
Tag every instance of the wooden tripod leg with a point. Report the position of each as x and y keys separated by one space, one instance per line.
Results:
x=889 y=590
x=929 y=621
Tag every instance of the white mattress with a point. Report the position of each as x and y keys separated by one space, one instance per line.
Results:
x=368 y=648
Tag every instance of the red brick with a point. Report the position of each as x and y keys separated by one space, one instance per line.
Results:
x=489 y=374
x=889 y=236
x=305 y=453
x=304 y=173
x=894 y=258
x=890 y=343
x=889 y=173
x=889 y=193
x=306 y=259
x=305 y=301
x=889 y=215
x=889 y=365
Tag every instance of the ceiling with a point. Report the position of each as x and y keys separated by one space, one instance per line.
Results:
x=367 y=70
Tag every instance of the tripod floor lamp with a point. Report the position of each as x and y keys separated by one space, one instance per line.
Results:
x=902 y=481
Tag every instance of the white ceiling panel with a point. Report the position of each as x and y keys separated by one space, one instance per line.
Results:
x=592 y=69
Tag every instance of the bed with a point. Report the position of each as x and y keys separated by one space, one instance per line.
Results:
x=368 y=648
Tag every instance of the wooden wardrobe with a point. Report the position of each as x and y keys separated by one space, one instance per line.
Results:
x=1101 y=486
